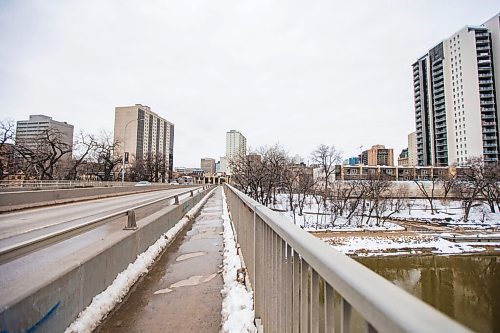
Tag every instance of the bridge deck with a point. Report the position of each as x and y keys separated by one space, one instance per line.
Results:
x=182 y=292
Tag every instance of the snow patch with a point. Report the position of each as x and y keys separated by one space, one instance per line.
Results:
x=103 y=303
x=237 y=305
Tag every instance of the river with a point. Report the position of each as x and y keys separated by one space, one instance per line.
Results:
x=466 y=288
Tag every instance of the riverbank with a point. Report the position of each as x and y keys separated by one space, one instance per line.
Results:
x=393 y=243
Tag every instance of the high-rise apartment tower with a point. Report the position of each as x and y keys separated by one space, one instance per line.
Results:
x=456 y=94
x=236 y=145
x=141 y=133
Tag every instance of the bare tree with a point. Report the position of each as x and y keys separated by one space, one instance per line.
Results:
x=491 y=187
x=470 y=185
x=82 y=148
x=428 y=191
x=447 y=182
x=326 y=157
x=105 y=155
x=42 y=157
x=7 y=129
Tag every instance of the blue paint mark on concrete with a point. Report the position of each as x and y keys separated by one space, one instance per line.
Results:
x=44 y=319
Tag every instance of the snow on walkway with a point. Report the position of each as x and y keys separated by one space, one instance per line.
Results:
x=104 y=302
x=237 y=306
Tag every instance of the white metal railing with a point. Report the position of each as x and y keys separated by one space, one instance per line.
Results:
x=48 y=184
x=296 y=277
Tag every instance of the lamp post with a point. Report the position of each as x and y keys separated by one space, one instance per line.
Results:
x=123 y=155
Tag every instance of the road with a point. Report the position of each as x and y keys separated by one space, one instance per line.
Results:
x=28 y=224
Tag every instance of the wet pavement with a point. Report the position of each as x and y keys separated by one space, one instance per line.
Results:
x=181 y=293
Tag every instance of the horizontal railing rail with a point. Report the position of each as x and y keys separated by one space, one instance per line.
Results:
x=296 y=279
x=47 y=184
x=13 y=251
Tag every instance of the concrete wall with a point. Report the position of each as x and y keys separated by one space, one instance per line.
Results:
x=10 y=201
x=55 y=305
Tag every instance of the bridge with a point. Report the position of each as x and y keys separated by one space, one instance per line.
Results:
x=55 y=259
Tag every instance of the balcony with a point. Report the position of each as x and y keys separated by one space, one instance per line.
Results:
x=489 y=88
x=488 y=109
x=490 y=102
x=490 y=152
x=481 y=48
x=489 y=130
x=486 y=95
x=489 y=137
x=489 y=145
x=484 y=74
x=484 y=61
x=439 y=96
x=482 y=34
x=488 y=123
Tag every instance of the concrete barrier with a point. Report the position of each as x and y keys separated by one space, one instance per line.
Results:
x=53 y=305
x=10 y=201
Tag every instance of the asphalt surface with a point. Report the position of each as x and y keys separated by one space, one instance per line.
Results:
x=27 y=224
x=181 y=293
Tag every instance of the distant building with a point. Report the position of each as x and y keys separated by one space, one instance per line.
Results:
x=208 y=166
x=393 y=173
x=236 y=145
x=28 y=132
x=456 y=95
x=378 y=155
x=412 y=149
x=254 y=158
x=142 y=134
x=351 y=161
x=403 y=158
x=217 y=167
x=223 y=165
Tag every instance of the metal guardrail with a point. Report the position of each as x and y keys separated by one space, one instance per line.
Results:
x=16 y=250
x=48 y=184
x=295 y=277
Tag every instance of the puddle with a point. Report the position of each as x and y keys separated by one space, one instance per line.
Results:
x=204 y=235
x=190 y=255
x=162 y=291
x=192 y=281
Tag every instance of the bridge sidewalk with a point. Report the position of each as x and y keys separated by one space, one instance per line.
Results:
x=181 y=293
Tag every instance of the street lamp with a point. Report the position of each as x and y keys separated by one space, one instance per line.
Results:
x=123 y=156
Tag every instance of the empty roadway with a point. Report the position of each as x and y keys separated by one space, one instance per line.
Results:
x=24 y=225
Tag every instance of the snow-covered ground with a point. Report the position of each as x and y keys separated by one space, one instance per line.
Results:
x=387 y=246
x=104 y=302
x=446 y=212
x=237 y=304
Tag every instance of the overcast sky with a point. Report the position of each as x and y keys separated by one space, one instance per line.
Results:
x=299 y=73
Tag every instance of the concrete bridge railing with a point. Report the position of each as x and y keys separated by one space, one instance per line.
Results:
x=296 y=278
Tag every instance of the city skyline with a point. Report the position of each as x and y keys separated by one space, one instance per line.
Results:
x=317 y=70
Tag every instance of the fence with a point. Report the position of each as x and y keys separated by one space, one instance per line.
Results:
x=296 y=279
x=51 y=184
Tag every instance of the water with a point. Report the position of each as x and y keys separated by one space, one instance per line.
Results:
x=466 y=288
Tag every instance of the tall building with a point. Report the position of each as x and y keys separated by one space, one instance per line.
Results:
x=456 y=94
x=403 y=158
x=236 y=145
x=208 y=166
x=28 y=131
x=142 y=133
x=412 y=149
x=378 y=155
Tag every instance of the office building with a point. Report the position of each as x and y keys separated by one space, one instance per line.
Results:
x=208 y=166
x=141 y=133
x=412 y=149
x=28 y=132
x=456 y=95
x=236 y=145
x=403 y=158
x=378 y=155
